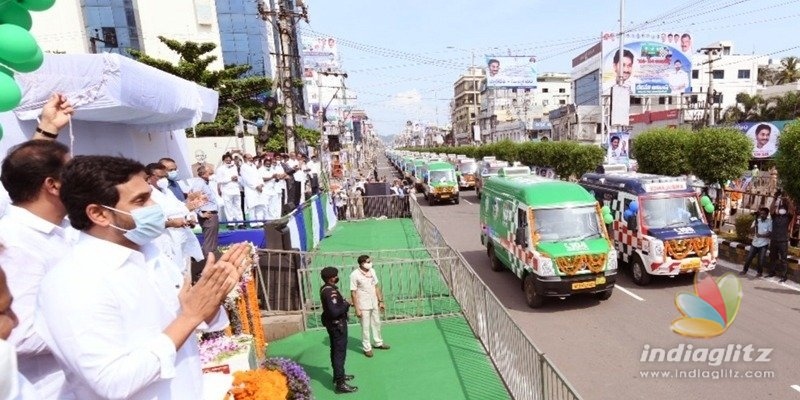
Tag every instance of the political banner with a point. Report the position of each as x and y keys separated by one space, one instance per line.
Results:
x=764 y=136
x=511 y=72
x=650 y=63
x=319 y=53
x=618 y=147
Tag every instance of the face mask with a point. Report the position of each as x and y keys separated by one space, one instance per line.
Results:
x=781 y=211
x=172 y=175
x=149 y=224
x=368 y=266
x=162 y=183
x=336 y=280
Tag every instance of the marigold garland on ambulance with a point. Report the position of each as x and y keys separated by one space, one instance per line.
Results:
x=550 y=233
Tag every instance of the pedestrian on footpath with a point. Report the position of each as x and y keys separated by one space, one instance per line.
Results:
x=781 y=227
x=762 y=230
x=368 y=300
x=334 y=318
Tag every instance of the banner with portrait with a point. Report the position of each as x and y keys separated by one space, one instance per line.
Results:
x=511 y=72
x=618 y=147
x=651 y=63
x=319 y=53
x=764 y=136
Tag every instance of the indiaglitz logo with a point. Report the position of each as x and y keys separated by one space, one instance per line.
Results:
x=711 y=309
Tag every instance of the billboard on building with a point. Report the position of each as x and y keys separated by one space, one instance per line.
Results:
x=511 y=72
x=764 y=136
x=652 y=63
x=319 y=53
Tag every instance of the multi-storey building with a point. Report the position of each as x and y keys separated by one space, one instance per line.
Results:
x=467 y=100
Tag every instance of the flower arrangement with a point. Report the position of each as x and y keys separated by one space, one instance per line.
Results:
x=218 y=348
x=297 y=378
x=261 y=384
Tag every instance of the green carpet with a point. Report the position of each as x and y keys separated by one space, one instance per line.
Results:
x=429 y=359
x=410 y=281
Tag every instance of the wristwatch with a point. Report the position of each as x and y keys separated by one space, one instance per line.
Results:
x=46 y=133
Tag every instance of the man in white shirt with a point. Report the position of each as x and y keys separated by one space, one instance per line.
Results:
x=315 y=172
x=678 y=78
x=227 y=177
x=127 y=330
x=368 y=300
x=35 y=236
x=272 y=175
x=13 y=385
x=179 y=235
x=253 y=189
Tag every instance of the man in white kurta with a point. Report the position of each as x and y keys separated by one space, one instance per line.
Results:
x=368 y=301
x=35 y=236
x=114 y=312
x=253 y=189
x=227 y=176
x=271 y=175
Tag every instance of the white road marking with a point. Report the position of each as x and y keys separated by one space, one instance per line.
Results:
x=733 y=267
x=467 y=201
x=629 y=293
x=795 y=387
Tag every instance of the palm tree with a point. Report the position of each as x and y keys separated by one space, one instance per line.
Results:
x=767 y=75
x=784 y=107
x=789 y=70
x=747 y=108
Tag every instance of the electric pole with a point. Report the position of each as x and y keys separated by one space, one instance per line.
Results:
x=283 y=21
x=711 y=52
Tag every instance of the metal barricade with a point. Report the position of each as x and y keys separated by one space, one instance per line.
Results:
x=412 y=289
x=354 y=208
x=526 y=371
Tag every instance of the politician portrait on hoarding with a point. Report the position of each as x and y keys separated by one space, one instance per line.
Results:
x=764 y=136
x=686 y=43
x=627 y=68
x=494 y=67
x=678 y=78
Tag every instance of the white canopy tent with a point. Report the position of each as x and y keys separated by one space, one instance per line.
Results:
x=122 y=107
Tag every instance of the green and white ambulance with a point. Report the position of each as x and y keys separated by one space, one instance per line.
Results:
x=439 y=182
x=550 y=233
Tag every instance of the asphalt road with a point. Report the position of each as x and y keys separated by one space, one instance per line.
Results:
x=598 y=345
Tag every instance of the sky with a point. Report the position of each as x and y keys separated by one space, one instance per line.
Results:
x=403 y=56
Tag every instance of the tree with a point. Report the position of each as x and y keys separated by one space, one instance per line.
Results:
x=230 y=82
x=767 y=75
x=717 y=155
x=663 y=151
x=789 y=70
x=787 y=160
x=747 y=108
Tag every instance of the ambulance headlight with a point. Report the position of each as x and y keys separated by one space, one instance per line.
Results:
x=546 y=266
x=611 y=262
x=657 y=248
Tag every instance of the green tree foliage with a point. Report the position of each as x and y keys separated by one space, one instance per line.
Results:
x=756 y=108
x=787 y=159
x=230 y=82
x=717 y=155
x=663 y=151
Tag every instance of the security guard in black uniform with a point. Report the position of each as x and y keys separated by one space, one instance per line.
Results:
x=334 y=318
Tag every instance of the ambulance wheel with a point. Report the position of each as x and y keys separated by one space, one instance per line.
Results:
x=495 y=263
x=638 y=271
x=431 y=201
x=457 y=199
x=533 y=299
x=604 y=295
x=478 y=193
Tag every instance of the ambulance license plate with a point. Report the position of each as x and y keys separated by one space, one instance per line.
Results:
x=583 y=285
x=445 y=196
x=691 y=265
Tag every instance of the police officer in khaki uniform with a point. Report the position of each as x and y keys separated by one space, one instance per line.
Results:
x=334 y=318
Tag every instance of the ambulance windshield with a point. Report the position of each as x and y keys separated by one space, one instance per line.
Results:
x=567 y=224
x=468 y=167
x=442 y=176
x=670 y=212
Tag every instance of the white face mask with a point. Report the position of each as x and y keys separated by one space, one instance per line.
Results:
x=781 y=212
x=367 y=266
x=162 y=183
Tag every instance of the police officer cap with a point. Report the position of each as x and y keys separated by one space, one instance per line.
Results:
x=329 y=272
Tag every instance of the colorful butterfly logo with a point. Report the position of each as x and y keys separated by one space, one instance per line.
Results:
x=711 y=309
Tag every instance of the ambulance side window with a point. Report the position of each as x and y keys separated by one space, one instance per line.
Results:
x=521 y=233
x=632 y=221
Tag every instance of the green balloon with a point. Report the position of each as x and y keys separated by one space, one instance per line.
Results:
x=709 y=208
x=606 y=210
x=608 y=218
x=16 y=44
x=13 y=14
x=10 y=94
x=29 y=65
x=36 y=5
